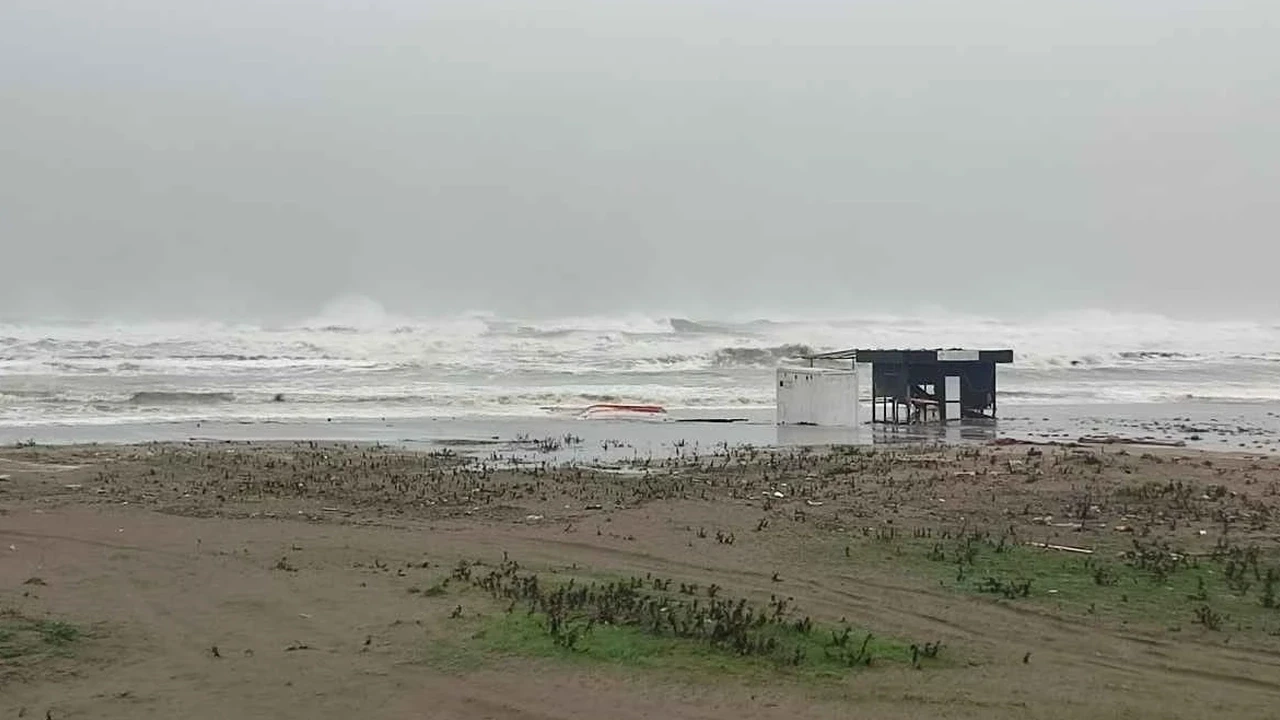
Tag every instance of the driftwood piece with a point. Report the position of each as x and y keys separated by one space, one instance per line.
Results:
x=1063 y=548
x=1118 y=440
x=1007 y=441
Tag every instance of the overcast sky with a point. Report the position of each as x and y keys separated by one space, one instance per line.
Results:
x=257 y=158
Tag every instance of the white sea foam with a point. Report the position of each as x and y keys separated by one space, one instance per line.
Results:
x=354 y=360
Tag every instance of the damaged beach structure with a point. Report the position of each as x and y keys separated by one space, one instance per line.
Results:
x=908 y=387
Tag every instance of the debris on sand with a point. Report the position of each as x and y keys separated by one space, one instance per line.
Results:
x=1063 y=548
x=1120 y=440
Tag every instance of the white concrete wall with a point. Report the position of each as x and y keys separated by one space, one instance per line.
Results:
x=817 y=396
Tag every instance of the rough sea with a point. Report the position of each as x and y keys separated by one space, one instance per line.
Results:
x=362 y=364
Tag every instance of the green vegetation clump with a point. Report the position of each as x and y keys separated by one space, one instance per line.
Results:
x=23 y=638
x=1151 y=580
x=654 y=622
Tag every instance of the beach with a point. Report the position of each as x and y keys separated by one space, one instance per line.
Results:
x=322 y=579
x=400 y=519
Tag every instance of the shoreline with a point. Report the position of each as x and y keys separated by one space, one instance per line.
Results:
x=1206 y=426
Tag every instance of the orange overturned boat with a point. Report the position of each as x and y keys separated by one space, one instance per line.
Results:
x=623 y=411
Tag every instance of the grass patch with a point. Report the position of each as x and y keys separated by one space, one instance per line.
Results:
x=526 y=635
x=654 y=623
x=23 y=638
x=57 y=633
x=1231 y=588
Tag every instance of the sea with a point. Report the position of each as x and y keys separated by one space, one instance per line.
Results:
x=367 y=368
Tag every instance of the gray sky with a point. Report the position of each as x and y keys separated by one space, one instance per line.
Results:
x=247 y=158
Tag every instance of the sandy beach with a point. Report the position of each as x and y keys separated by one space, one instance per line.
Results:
x=318 y=580
x=623 y=360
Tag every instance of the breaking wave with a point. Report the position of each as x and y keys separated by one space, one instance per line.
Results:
x=757 y=357
x=357 y=358
x=691 y=327
x=180 y=398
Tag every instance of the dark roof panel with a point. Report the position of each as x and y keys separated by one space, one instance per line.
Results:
x=898 y=357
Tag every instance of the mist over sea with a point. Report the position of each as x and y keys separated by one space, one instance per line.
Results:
x=354 y=361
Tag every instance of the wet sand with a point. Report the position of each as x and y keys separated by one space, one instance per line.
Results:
x=1209 y=426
